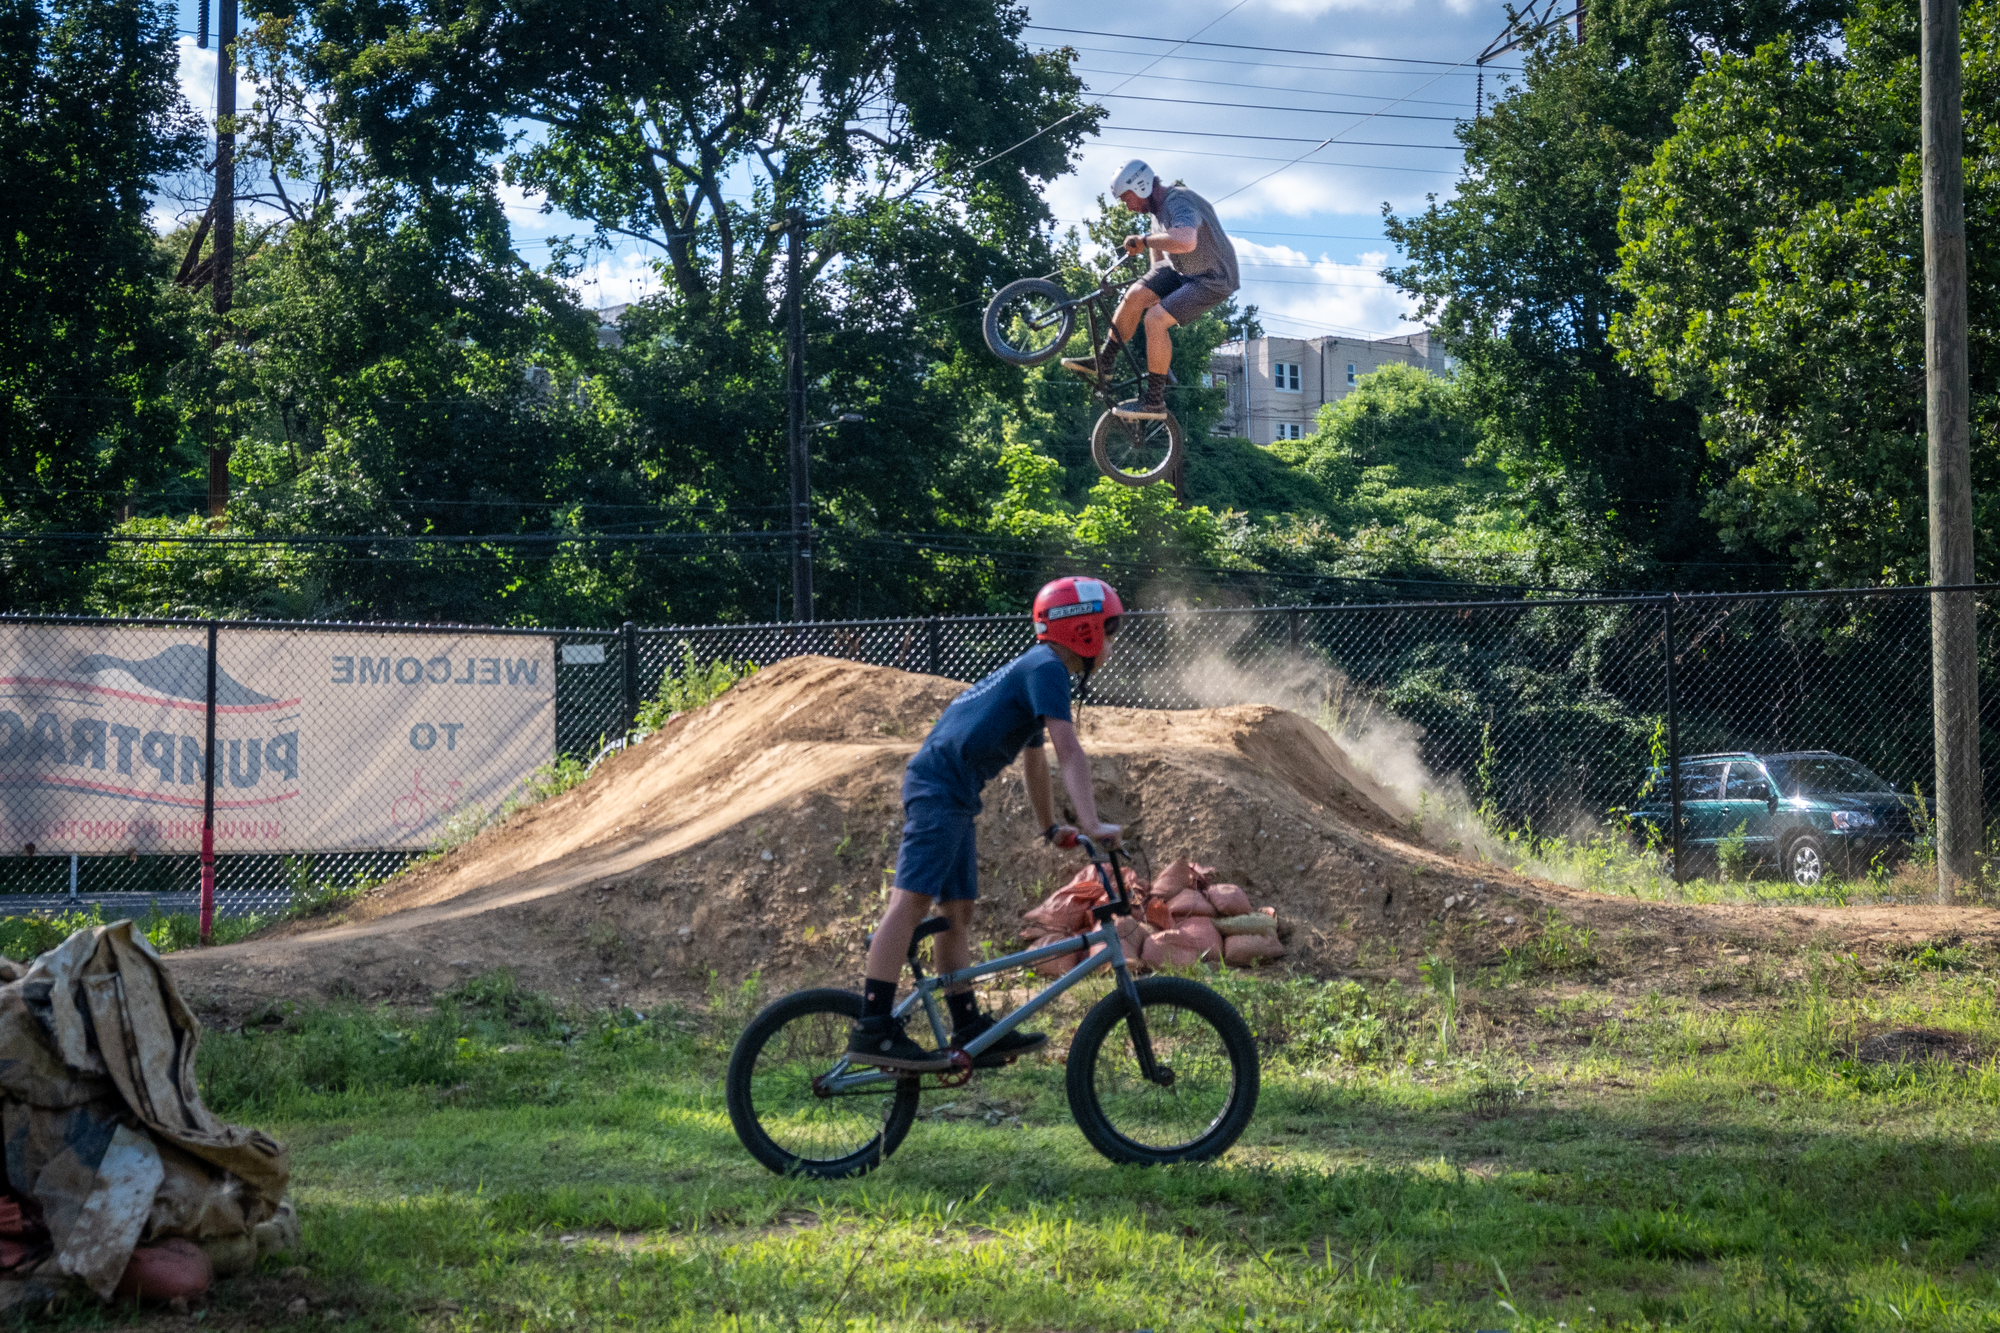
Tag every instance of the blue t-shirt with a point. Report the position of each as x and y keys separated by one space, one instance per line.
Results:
x=982 y=730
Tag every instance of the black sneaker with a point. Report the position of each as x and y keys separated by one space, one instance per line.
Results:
x=1096 y=367
x=1150 y=405
x=882 y=1042
x=1015 y=1043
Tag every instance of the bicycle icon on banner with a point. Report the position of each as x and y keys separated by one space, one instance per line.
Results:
x=422 y=804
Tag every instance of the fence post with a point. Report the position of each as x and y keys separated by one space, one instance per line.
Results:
x=207 y=921
x=628 y=677
x=934 y=647
x=1673 y=745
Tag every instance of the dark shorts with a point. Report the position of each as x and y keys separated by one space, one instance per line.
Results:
x=939 y=857
x=1186 y=299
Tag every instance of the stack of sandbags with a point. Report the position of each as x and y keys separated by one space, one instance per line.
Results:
x=1188 y=918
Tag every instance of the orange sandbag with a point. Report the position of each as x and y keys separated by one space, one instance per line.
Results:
x=1067 y=909
x=1195 y=940
x=1228 y=900
x=1250 y=950
x=170 y=1270
x=1192 y=903
x=1061 y=963
x=1132 y=937
x=1203 y=876
x=1176 y=879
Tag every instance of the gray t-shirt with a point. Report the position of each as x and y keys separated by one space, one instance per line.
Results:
x=1213 y=257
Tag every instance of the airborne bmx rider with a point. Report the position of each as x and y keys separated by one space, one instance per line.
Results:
x=977 y=736
x=1194 y=270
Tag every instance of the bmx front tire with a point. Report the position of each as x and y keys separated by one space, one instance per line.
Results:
x=1027 y=322
x=1197 y=1035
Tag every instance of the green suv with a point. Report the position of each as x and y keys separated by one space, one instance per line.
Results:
x=1808 y=813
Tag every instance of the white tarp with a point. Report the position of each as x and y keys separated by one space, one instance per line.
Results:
x=324 y=741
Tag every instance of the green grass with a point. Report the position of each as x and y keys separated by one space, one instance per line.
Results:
x=1574 y=1155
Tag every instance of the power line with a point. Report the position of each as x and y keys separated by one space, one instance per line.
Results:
x=1248 y=157
x=1239 y=46
x=1281 y=138
x=1287 y=110
x=1258 y=64
x=1268 y=87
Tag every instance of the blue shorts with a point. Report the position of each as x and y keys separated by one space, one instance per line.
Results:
x=939 y=857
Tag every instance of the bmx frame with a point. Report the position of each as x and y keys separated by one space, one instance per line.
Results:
x=839 y=1080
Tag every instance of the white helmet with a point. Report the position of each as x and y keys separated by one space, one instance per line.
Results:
x=1137 y=177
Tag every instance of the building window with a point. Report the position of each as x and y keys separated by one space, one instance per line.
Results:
x=1214 y=380
x=1285 y=376
x=1350 y=372
x=1290 y=430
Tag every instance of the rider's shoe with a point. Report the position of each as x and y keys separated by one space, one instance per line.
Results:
x=1013 y=1044
x=1150 y=405
x=1099 y=367
x=882 y=1042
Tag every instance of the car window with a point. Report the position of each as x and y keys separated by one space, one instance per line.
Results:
x=1747 y=783
x=1824 y=775
x=1701 y=782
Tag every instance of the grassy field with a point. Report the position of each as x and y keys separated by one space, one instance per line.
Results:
x=1532 y=1145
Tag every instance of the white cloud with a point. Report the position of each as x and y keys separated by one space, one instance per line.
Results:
x=1297 y=293
x=614 y=279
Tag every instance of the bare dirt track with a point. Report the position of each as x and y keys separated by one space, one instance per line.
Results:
x=757 y=834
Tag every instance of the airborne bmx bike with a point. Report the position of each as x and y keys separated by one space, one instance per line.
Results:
x=1162 y=1069
x=1029 y=321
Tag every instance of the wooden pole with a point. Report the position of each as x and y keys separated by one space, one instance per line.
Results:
x=795 y=419
x=224 y=251
x=1947 y=393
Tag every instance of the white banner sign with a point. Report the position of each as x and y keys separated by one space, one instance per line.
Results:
x=324 y=741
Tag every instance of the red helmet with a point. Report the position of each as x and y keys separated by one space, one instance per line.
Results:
x=1079 y=614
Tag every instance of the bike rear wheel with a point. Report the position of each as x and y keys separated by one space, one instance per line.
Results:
x=1197 y=1035
x=780 y=1117
x=1027 y=322
x=1136 y=453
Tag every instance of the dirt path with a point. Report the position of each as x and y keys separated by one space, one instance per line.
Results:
x=757 y=834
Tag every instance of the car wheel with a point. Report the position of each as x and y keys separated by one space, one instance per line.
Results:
x=1805 y=860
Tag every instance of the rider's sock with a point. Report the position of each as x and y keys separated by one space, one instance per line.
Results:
x=964 y=1007
x=878 y=998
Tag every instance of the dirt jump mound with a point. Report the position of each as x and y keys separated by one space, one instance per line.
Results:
x=759 y=833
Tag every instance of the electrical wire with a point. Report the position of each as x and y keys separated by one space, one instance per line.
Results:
x=1239 y=46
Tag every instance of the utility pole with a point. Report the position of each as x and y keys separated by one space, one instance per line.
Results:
x=1947 y=403
x=796 y=225
x=225 y=222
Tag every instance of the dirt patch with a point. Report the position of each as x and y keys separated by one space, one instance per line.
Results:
x=758 y=833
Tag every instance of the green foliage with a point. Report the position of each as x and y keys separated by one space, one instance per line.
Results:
x=1733 y=852
x=1517 y=270
x=695 y=685
x=91 y=118
x=23 y=937
x=1791 y=316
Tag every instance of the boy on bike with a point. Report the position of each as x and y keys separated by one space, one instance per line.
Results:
x=977 y=736
x=1194 y=271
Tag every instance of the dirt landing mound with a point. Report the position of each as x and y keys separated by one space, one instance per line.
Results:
x=758 y=833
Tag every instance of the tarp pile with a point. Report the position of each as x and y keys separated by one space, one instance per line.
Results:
x=1183 y=917
x=114 y=1168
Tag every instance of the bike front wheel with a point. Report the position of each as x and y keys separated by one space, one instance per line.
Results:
x=786 y=1121
x=1196 y=1114
x=1027 y=322
x=1133 y=452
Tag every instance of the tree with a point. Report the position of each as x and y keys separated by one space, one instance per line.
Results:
x=1516 y=271
x=1774 y=263
x=90 y=117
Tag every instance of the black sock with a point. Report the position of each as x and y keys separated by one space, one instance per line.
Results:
x=877 y=997
x=964 y=1007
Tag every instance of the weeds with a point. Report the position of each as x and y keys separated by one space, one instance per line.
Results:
x=696 y=686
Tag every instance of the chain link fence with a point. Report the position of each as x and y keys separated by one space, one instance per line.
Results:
x=340 y=751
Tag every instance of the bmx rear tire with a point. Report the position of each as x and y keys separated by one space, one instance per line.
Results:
x=1136 y=453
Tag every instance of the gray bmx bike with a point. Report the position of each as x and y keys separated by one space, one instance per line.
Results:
x=1161 y=1070
x=1030 y=321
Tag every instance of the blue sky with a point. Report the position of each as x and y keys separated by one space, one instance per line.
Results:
x=1224 y=95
